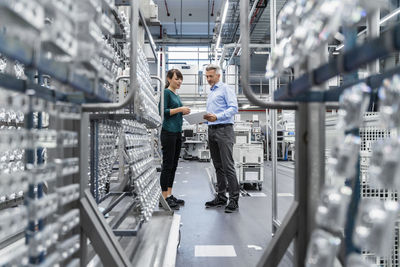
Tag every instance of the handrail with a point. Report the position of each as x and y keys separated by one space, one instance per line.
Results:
x=133 y=68
x=245 y=64
x=161 y=96
x=146 y=28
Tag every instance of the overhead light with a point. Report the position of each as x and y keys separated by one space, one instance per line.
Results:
x=386 y=18
x=261 y=52
x=391 y=15
x=225 y=13
x=218 y=41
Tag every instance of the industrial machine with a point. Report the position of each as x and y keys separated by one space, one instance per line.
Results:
x=195 y=145
x=248 y=154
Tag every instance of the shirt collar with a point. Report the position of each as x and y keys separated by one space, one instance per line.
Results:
x=218 y=84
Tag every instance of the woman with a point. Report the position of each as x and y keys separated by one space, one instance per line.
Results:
x=171 y=136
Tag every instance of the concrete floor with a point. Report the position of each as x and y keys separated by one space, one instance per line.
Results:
x=248 y=231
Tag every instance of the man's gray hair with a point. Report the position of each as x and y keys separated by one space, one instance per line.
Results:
x=215 y=67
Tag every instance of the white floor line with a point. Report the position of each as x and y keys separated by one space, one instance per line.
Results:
x=257 y=194
x=285 y=195
x=215 y=251
x=184 y=181
x=255 y=247
x=177 y=173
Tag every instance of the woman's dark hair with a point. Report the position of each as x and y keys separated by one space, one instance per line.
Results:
x=170 y=75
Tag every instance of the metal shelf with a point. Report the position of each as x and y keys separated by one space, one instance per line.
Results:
x=299 y=89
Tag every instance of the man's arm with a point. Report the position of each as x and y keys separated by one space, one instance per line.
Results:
x=231 y=101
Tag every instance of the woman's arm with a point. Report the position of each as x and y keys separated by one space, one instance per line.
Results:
x=184 y=110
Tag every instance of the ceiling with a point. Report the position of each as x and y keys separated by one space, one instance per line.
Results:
x=189 y=19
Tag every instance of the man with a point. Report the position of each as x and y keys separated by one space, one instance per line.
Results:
x=221 y=108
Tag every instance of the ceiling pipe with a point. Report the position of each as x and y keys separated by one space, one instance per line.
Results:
x=238 y=45
x=166 y=7
x=253 y=8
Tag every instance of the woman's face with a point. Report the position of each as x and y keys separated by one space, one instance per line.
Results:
x=175 y=82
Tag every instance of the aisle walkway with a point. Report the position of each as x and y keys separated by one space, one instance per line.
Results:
x=210 y=237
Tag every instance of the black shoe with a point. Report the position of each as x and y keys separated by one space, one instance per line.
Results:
x=171 y=203
x=233 y=206
x=218 y=201
x=177 y=200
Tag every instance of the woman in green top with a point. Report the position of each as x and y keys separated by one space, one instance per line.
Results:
x=171 y=136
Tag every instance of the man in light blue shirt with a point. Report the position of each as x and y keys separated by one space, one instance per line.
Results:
x=221 y=109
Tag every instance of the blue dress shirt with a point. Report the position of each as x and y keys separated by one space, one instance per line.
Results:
x=223 y=103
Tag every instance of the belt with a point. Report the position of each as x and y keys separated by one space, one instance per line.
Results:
x=216 y=126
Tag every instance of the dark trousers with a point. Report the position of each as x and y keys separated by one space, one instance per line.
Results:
x=171 y=148
x=221 y=142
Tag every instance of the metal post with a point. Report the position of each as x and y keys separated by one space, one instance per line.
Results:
x=267 y=132
x=158 y=72
x=301 y=179
x=274 y=156
x=83 y=177
x=373 y=31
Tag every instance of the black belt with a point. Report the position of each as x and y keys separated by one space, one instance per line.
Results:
x=216 y=126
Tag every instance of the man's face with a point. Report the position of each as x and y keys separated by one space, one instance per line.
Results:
x=212 y=77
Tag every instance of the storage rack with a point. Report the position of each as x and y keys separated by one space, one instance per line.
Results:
x=308 y=97
x=60 y=212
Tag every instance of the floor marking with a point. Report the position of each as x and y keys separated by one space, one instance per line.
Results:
x=215 y=251
x=177 y=173
x=255 y=247
x=257 y=194
x=179 y=167
x=184 y=181
x=182 y=195
x=285 y=195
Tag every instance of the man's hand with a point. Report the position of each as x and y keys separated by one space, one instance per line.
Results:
x=210 y=117
x=185 y=110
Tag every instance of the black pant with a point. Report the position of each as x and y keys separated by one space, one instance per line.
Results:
x=171 y=147
x=221 y=142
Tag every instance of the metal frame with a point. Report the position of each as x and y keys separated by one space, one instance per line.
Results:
x=310 y=143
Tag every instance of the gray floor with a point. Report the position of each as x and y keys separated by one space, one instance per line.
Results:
x=251 y=226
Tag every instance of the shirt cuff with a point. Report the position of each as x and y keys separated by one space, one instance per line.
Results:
x=167 y=112
x=220 y=116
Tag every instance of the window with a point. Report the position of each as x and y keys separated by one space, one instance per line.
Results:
x=188 y=55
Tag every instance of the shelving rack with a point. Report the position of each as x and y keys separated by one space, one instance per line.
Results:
x=61 y=211
x=309 y=98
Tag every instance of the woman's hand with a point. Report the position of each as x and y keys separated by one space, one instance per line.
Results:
x=185 y=110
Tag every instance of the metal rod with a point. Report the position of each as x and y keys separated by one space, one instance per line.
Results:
x=245 y=56
x=146 y=28
x=113 y=204
x=267 y=132
x=281 y=241
x=274 y=138
x=253 y=8
x=133 y=68
x=122 y=215
x=161 y=96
